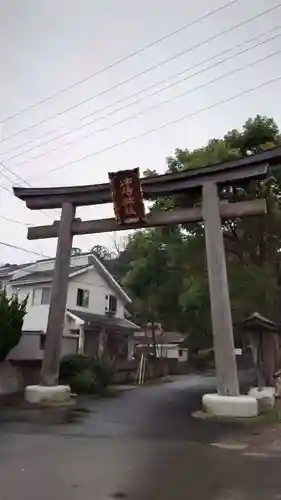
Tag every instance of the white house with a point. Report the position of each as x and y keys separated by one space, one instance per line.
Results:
x=168 y=345
x=94 y=316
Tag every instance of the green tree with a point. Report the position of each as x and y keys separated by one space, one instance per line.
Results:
x=76 y=251
x=252 y=245
x=12 y=313
x=101 y=252
x=153 y=276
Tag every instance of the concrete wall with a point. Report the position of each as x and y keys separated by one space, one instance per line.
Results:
x=29 y=347
x=11 y=381
x=98 y=290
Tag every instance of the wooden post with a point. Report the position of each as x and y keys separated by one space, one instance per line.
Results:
x=227 y=379
x=51 y=361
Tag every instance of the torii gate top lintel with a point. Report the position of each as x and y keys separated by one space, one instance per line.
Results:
x=254 y=166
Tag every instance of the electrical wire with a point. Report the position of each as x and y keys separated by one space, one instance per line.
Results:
x=44 y=153
x=144 y=97
x=103 y=108
x=168 y=101
x=123 y=59
x=26 y=224
x=80 y=103
x=161 y=127
x=7 y=169
x=9 y=245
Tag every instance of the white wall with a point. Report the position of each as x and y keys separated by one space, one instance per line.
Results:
x=170 y=351
x=98 y=289
x=37 y=315
x=175 y=352
x=69 y=346
x=183 y=356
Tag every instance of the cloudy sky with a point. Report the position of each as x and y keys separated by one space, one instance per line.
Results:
x=117 y=115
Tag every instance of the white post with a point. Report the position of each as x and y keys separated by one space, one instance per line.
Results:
x=227 y=379
x=81 y=340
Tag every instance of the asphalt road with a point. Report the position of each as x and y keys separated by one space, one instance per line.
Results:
x=142 y=445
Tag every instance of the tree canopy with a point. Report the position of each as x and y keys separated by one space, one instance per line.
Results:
x=165 y=269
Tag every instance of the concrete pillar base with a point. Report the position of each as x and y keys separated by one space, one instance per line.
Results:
x=265 y=397
x=230 y=406
x=40 y=394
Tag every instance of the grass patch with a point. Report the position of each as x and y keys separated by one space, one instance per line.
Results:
x=272 y=416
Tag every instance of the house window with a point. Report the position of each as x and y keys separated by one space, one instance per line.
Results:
x=41 y=296
x=46 y=296
x=82 y=298
x=112 y=304
x=42 y=341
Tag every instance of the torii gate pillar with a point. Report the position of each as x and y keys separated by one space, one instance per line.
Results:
x=226 y=370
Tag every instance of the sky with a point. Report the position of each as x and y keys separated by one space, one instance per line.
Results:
x=47 y=47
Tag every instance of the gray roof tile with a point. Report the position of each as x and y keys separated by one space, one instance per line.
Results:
x=40 y=276
x=100 y=320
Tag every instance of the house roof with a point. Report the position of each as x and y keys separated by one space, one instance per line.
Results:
x=45 y=276
x=256 y=322
x=8 y=269
x=101 y=320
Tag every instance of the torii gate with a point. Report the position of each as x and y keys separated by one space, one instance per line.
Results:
x=208 y=179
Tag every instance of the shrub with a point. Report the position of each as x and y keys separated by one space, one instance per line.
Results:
x=85 y=374
x=204 y=359
x=71 y=365
x=103 y=373
x=12 y=313
x=84 y=383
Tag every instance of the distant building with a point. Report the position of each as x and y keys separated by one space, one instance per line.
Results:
x=95 y=309
x=167 y=344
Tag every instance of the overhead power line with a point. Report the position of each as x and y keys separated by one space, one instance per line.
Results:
x=78 y=139
x=121 y=60
x=156 y=84
x=117 y=85
x=7 y=169
x=26 y=224
x=9 y=245
x=167 y=101
x=4 y=175
x=161 y=127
